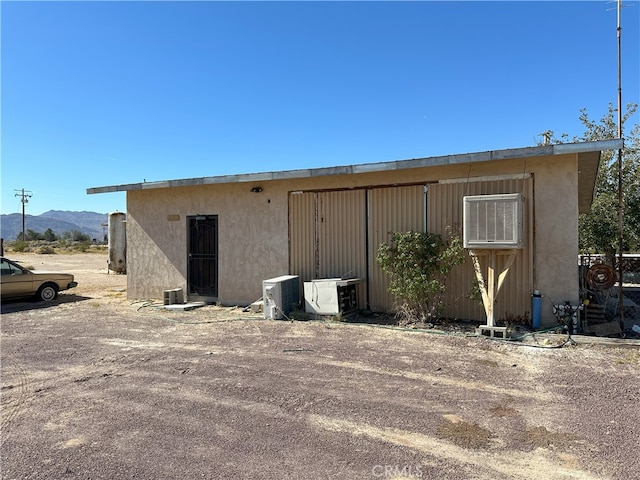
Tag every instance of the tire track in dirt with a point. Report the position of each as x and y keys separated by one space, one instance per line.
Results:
x=510 y=463
x=20 y=389
x=14 y=397
x=537 y=464
x=439 y=379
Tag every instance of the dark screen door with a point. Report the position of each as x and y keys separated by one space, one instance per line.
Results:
x=203 y=256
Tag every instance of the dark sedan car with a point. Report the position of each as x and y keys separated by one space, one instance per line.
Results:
x=19 y=282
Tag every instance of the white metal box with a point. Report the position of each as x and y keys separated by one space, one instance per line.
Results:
x=281 y=295
x=493 y=221
x=331 y=296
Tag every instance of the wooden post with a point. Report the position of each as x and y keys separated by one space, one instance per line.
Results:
x=491 y=287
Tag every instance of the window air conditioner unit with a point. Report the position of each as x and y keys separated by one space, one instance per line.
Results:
x=281 y=295
x=331 y=296
x=493 y=221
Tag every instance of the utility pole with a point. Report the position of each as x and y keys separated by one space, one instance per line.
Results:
x=620 y=172
x=24 y=195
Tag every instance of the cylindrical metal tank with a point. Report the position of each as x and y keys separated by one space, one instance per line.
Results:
x=536 y=306
x=117 y=242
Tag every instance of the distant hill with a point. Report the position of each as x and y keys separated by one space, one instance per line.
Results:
x=89 y=223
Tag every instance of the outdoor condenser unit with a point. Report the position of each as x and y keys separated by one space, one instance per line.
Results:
x=331 y=296
x=493 y=221
x=280 y=296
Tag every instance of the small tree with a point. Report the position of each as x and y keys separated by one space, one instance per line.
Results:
x=419 y=265
x=33 y=235
x=49 y=236
x=76 y=236
x=598 y=228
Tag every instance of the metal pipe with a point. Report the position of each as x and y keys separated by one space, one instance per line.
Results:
x=620 y=194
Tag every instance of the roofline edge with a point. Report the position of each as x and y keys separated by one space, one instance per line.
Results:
x=540 y=150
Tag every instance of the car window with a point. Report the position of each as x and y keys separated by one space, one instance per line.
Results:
x=9 y=269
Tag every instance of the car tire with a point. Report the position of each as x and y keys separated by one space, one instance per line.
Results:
x=47 y=292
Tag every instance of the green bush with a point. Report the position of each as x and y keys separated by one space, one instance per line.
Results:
x=49 y=235
x=419 y=264
x=81 y=246
x=19 y=246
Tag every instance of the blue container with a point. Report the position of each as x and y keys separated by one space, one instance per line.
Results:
x=536 y=307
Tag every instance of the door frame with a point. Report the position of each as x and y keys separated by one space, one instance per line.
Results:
x=209 y=296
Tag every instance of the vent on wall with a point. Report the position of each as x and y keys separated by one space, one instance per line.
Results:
x=493 y=221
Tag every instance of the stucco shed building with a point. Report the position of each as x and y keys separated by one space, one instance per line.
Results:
x=219 y=237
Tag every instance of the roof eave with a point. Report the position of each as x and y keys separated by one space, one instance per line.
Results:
x=492 y=155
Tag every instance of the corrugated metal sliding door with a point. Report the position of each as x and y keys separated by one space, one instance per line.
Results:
x=302 y=234
x=445 y=211
x=391 y=209
x=342 y=234
x=338 y=233
x=328 y=235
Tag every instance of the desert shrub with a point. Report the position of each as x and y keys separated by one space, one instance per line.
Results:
x=63 y=244
x=76 y=236
x=45 y=250
x=512 y=320
x=419 y=264
x=81 y=246
x=20 y=246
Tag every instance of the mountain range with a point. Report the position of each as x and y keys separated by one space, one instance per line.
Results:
x=90 y=223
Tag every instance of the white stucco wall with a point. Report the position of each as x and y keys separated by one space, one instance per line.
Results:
x=252 y=239
x=556 y=232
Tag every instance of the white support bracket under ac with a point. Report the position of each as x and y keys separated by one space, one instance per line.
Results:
x=490 y=287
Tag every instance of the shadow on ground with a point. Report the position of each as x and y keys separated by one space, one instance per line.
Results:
x=22 y=305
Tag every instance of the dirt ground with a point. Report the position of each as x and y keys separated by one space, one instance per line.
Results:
x=98 y=386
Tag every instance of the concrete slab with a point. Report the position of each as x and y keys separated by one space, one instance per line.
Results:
x=183 y=307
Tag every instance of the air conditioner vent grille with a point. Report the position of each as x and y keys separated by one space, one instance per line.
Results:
x=493 y=221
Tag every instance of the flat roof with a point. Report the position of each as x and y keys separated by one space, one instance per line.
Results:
x=507 y=154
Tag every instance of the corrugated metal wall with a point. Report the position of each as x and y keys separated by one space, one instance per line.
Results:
x=445 y=211
x=302 y=234
x=336 y=233
x=328 y=236
x=342 y=234
x=392 y=209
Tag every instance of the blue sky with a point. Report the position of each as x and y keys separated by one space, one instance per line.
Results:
x=106 y=93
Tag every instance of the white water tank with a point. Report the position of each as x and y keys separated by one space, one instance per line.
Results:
x=117 y=242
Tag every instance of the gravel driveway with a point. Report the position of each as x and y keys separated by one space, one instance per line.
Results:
x=96 y=386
